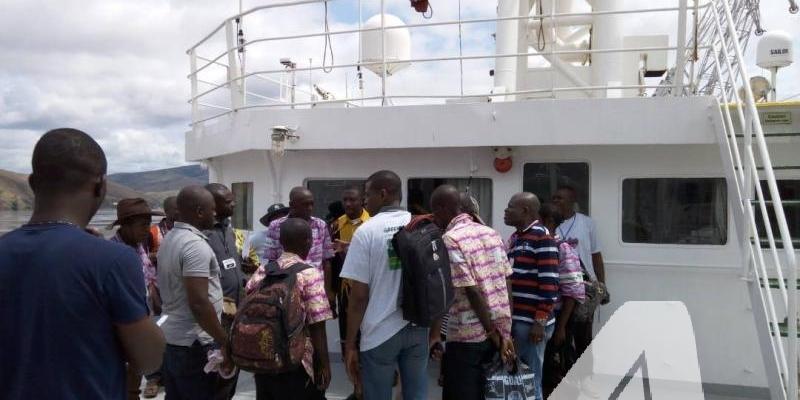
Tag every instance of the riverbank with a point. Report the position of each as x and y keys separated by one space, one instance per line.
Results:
x=10 y=220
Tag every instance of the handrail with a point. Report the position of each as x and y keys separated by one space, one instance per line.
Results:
x=236 y=79
x=745 y=174
x=780 y=216
x=434 y=59
x=250 y=11
x=354 y=99
x=431 y=24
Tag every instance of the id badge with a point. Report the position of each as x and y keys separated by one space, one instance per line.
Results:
x=229 y=263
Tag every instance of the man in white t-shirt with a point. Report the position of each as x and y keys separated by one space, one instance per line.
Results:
x=388 y=342
x=579 y=231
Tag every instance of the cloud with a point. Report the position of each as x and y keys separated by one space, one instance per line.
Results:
x=117 y=68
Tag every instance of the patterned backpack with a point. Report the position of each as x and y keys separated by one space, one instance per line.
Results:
x=268 y=335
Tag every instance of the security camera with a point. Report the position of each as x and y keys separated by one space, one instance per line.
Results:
x=287 y=62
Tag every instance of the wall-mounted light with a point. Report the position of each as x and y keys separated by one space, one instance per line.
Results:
x=280 y=134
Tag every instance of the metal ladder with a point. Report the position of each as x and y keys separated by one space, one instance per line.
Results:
x=766 y=269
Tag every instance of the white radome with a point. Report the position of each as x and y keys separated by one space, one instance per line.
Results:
x=774 y=50
x=397 y=46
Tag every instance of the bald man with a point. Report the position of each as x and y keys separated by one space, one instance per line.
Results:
x=222 y=239
x=301 y=205
x=189 y=279
x=479 y=327
x=534 y=284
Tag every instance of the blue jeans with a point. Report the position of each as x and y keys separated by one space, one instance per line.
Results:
x=532 y=354
x=408 y=350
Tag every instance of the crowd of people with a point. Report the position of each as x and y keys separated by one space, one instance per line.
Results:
x=91 y=316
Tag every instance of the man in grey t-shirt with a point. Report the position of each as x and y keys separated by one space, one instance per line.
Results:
x=188 y=276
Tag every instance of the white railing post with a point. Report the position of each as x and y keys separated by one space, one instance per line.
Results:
x=383 y=53
x=234 y=84
x=193 y=80
x=680 y=57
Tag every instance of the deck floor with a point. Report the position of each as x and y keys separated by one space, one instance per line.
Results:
x=340 y=386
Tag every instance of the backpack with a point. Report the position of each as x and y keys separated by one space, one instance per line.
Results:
x=268 y=334
x=426 y=289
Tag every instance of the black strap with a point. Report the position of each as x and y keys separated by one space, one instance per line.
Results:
x=273 y=269
x=586 y=274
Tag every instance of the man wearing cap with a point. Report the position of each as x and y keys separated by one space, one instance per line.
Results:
x=257 y=242
x=133 y=218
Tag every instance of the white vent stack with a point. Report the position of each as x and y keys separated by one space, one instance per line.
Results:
x=774 y=51
x=397 y=44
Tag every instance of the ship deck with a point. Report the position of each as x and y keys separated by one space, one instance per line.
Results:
x=340 y=386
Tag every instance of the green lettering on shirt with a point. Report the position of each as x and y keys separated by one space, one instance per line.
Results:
x=394 y=260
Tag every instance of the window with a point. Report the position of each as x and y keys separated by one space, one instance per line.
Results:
x=329 y=191
x=243 y=214
x=420 y=190
x=543 y=179
x=675 y=211
x=790 y=197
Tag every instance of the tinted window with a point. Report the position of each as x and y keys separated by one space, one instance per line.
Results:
x=420 y=190
x=329 y=191
x=790 y=197
x=675 y=211
x=243 y=214
x=543 y=179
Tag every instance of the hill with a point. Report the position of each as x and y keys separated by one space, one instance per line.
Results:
x=16 y=195
x=162 y=181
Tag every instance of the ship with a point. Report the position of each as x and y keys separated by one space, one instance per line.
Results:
x=687 y=164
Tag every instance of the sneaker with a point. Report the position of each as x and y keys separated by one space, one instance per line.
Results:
x=151 y=389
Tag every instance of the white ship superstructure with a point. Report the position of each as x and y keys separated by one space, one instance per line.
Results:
x=675 y=164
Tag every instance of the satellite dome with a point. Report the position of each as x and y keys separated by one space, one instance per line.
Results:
x=774 y=50
x=397 y=45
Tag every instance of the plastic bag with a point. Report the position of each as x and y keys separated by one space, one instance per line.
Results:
x=516 y=384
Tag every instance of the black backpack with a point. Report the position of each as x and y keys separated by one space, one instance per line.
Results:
x=426 y=290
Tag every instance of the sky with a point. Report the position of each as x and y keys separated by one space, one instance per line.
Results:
x=117 y=69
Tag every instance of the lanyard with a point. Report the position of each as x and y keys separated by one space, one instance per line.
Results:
x=566 y=235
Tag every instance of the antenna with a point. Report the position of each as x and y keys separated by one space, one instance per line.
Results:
x=774 y=51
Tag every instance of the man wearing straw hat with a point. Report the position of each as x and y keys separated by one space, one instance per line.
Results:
x=134 y=217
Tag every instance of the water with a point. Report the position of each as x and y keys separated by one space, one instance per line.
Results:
x=10 y=220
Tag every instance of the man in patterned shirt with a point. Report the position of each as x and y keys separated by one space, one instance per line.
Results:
x=134 y=217
x=301 y=205
x=311 y=382
x=480 y=317
x=534 y=284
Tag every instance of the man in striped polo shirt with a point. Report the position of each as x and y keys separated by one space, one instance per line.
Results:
x=534 y=284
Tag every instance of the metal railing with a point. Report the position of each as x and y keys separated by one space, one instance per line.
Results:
x=237 y=76
x=759 y=264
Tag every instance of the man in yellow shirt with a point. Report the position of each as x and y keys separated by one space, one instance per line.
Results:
x=354 y=215
x=343 y=229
